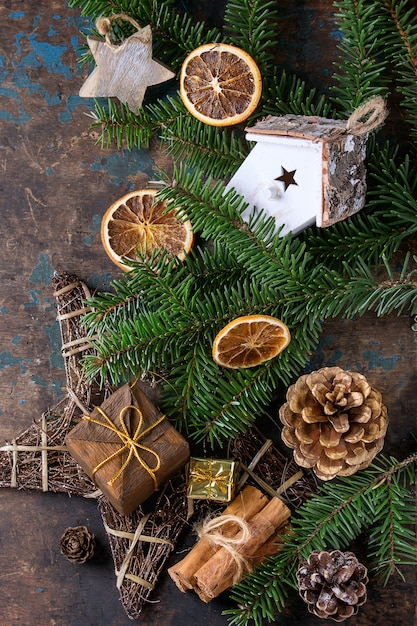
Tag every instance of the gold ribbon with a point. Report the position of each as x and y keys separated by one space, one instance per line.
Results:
x=129 y=443
x=220 y=481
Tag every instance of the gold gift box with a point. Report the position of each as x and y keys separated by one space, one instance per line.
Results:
x=212 y=479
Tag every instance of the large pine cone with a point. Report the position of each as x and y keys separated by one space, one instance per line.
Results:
x=77 y=544
x=333 y=584
x=335 y=422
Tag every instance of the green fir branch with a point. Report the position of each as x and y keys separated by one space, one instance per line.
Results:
x=173 y=335
x=285 y=94
x=116 y=123
x=362 y=62
x=283 y=265
x=389 y=218
x=403 y=54
x=362 y=235
x=216 y=151
x=392 y=538
x=162 y=317
x=98 y=8
x=251 y=25
x=175 y=34
x=377 y=499
x=393 y=192
x=181 y=312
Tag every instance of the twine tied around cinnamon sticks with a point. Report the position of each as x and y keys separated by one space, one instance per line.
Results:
x=209 y=569
x=211 y=529
x=130 y=443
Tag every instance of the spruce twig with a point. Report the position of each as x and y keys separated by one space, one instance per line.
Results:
x=403 y=54
x=179 y=311
x=370 y=500
x=250 y=24
x=164 y=318
x=175 y=33
x=362 y=66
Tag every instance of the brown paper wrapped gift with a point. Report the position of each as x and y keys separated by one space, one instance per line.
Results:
x=127 y=447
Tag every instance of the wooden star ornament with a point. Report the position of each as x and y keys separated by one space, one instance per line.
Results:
x=126 y=70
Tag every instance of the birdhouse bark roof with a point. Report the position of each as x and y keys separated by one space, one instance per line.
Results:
x=303 y=126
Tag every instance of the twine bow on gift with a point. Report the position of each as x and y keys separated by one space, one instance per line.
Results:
x=217 y=482
x=130 y=443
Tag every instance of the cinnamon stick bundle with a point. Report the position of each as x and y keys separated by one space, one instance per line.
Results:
x=249 y=502
x=215 y=563
x=218 y=573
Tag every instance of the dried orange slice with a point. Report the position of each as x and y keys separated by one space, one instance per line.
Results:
x=220 y=84
x=139 y=224
x=250 y=340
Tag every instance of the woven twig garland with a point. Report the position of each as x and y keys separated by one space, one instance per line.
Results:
x=142 y=541
x=70 y=296
x=267 y=468
x=37 y=458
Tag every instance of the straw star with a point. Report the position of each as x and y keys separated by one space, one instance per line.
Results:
x=124 y=71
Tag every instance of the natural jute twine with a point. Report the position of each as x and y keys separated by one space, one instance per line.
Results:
x=211 y=530
x=104 y=24
x=367 y=117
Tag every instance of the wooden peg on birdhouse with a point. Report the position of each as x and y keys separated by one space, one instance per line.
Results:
x=305 y=170
x=123 y=70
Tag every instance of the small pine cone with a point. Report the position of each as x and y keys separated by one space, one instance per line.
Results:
x=77 y=544
x=335 y=422
x=333 y=584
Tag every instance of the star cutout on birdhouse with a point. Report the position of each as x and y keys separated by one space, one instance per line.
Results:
x=126 y=70
x=287 y=178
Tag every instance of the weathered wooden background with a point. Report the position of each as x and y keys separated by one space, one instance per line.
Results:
x=55 y=184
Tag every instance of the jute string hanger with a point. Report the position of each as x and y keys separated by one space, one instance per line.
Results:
x=367 y=117
x=125 y=69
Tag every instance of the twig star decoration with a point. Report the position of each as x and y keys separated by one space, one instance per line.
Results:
x=126 y=70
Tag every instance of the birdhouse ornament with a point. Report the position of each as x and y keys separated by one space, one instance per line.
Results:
x=305 y=170
x=126 y=69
